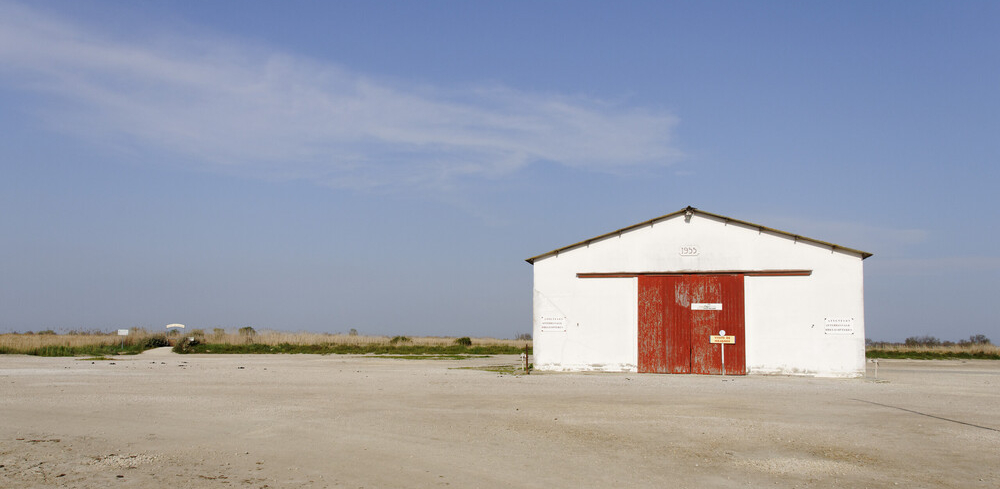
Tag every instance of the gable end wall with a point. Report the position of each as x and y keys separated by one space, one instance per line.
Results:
x=785 y=316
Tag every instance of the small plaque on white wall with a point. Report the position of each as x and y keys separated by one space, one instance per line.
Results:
x=553 y=325
x=689 y=250
x=839 y=326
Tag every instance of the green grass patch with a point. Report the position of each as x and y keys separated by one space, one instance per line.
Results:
x=932 y=355
x=500 y=369
x=341 y=349
x=95 y=358
x=81 y=351
x=400 y=339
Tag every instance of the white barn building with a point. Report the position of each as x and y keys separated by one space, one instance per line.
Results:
x=656 y=296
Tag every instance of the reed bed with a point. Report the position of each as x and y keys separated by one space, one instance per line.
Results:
x=20 y=342
x=268 y=337
x=896 y=350
x=241 y=341
x=76 y=344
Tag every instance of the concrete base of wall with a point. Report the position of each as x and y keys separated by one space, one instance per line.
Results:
x=628 y=368
x=805 y=373
x=623 y=368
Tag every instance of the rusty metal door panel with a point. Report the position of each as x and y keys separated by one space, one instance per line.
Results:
x=705 y=289
x=673 y=338
x=733 y=322
x=679 y=326
x=652 y=330
x=727 y=290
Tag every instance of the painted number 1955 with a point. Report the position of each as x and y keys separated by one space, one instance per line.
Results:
x=689 y=250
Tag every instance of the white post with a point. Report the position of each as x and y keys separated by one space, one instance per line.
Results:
x=722 y=348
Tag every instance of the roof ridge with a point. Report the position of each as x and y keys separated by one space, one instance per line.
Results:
x=688 y=212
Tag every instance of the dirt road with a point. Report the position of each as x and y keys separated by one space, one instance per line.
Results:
x=166 y=420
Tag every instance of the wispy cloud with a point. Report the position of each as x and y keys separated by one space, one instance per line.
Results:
x=270 y=114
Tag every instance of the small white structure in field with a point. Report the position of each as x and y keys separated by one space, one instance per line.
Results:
x=657 y=296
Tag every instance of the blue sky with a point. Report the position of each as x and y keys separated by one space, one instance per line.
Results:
x=388 y=166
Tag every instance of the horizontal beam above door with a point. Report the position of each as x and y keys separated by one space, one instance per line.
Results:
x=749 y=273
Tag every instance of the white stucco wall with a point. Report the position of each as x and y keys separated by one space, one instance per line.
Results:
x=601 y=331
x=785 y=316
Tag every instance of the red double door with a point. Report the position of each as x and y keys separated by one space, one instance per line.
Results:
x=677 y=316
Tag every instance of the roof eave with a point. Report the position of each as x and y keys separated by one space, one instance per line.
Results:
x=693 y=210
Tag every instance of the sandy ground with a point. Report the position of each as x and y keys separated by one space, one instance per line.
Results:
x=166 y=420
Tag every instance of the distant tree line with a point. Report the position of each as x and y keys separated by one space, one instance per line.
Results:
x=79 y=332
x=927 y=340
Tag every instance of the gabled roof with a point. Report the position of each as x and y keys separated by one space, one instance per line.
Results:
x=693 y=211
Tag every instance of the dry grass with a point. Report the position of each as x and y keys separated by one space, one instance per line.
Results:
x=950 y=349
x=18 y=343
x=896 y=350
x=305 y=338
x=23 y=342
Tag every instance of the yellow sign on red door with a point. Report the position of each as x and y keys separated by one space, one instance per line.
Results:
x=728 y=340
